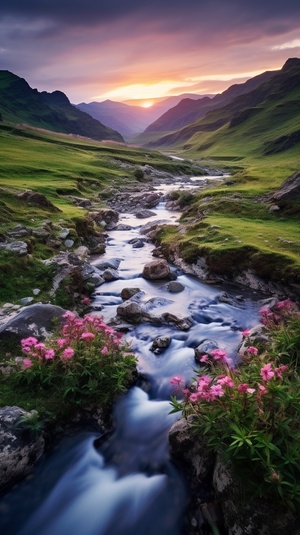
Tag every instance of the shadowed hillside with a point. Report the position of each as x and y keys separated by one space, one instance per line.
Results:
x=19 y=103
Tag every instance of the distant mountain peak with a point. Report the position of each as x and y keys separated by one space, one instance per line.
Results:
x=291 y=63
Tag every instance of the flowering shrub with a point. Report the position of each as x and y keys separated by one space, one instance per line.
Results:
x=84 y=363
x=251 y=414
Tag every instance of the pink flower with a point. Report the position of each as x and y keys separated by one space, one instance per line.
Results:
x=263 y=390
x=31 y=341
x=225 y=381
x=278 y=371
x=61 y=342
x=204 y=358
x=246 y=332
x=40 y=346
x=85 y=301
x=104 y=351
x=87 y=336
x=176 y=380
x=26 y=363
x=117 y=341
x=266 y=372
x=244 y=389
x=69 y=315
x=285 y=305
x=252 y=350
x=68 y=353
x=49 y=354
x=218 y=354
x=193 y=398
x=216 y=391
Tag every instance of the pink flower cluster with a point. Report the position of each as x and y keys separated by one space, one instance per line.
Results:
x=209 y=388
x=280 y=312
x=74 y=332
x=216 y=355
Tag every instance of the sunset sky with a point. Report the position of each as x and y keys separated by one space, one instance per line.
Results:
x=138 y=49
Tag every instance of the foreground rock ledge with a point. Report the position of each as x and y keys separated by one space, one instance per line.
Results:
x=241 y=515
x=20 y=449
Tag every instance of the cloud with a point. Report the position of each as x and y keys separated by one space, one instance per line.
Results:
x=291 y=44
x=96 y=47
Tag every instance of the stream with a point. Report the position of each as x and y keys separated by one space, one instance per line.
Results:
x=129 y=485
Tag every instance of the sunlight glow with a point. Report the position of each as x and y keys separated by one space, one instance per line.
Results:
x=147 y=104
x=142 y=91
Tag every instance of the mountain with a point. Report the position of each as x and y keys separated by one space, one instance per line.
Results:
x=266 y=118
x=188 y=111
x=19 y=103
x=127 y=119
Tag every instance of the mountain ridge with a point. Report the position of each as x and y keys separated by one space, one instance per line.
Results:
x=274 y=105
x=19 y=103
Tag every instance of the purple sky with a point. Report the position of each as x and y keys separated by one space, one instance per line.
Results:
x=137 y=49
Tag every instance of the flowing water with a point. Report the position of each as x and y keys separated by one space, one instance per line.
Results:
x=130 y=486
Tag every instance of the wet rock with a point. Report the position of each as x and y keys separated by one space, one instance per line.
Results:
x=143 y=214
x=138 y=244
x=205 y=348
x=110 y=275
x=160 y=344
x=175 y=287
x=183 y=324
x=107 y=218
x=128 y=293
x=34 y=320
x=113 y=263
x=131 y=311
x=82 y=252
x=156 y=302
x=157 y=269
x=26 y=300
x=122 y=226
x=225 y=298
x=20 y=449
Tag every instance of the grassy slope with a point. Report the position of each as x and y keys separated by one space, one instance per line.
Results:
x=240 y=210
x=58 y=165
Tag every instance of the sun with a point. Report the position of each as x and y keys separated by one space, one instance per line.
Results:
x=147 y=104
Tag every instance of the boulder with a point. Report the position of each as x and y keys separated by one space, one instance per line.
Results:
x=157 y=269
x=130 y=311
x=19 y=231
x=175 y=287
x=243 y=514
x=38 y=199
x=288 y=191
x=112 y=263
x=160 y=344
x=143 y=214
x=106 y=217
x=204 y=348
x=20 y=448
x=110 y=275
x=34 y=320
x=19 y=248
x=127 y=293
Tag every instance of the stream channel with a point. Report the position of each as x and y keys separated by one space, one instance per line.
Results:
x=130 y=486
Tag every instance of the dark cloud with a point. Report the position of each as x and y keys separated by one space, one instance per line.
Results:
x=90 y=47
x=99 y=11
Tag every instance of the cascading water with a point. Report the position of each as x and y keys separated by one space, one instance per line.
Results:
x=129 y=486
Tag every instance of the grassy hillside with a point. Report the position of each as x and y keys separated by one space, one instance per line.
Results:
x=19 y=103
x=257 y=139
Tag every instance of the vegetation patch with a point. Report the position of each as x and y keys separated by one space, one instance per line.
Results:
x=250 y=414
x=82 y=365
